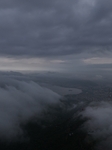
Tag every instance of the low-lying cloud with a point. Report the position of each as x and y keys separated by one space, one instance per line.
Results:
x=99 y=124
x=19 y=102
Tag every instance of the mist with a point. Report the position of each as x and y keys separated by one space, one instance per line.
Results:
x=99 y=123
x=20 y=101
x=32 y=114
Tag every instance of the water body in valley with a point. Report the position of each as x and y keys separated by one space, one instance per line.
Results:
x=62 y=90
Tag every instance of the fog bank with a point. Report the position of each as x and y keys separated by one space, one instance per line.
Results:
x=19 y=102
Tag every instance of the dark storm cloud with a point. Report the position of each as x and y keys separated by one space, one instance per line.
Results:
x=51 y=28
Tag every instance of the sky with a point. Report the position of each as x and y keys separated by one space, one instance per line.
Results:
x=61 y=35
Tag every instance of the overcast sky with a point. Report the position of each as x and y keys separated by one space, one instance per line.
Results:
x=61 y=35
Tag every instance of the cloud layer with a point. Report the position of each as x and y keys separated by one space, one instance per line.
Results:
x=20 y=101
x=99 y=124
x=54 y=28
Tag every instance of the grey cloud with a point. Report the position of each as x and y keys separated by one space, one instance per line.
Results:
x=20 y=101
x=100 y=66
x=54 y=28
x=99 y=125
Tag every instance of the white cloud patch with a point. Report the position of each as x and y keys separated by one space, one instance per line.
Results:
x=57 y=61
x=98 y=60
